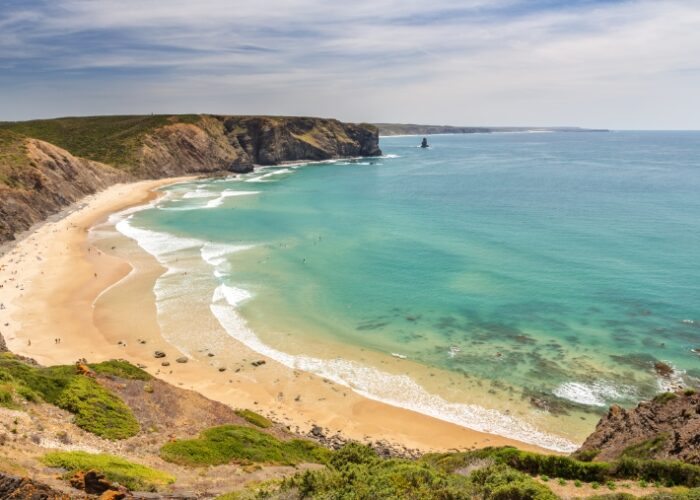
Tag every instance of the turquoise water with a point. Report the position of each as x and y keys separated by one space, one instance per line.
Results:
x=559 y=265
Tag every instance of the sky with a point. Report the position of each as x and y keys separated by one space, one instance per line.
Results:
x=620 y=64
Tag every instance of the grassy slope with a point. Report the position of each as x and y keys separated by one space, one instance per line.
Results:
x=254 y=418
x=115 y=469
x=232 y=443
x=114 y=140
x=12 y=156
x=353 y=472
x=356 y=472
x=96 y=409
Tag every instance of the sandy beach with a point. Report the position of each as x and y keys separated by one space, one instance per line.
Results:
x=64 y=298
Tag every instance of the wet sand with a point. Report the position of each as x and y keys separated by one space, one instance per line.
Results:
x=67 y=296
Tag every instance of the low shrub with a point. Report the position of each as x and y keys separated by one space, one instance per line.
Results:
x=357 y=472
x=115 y=469
x=692 y=494
x=122 y=369
x=232 y=443
x=664 y=397
x=96 y=409
x=670 y=472
x=613 y=496
x=503 y=482
x=6 y=398
x=254 y=418
x=646 y=449
x=586 y=455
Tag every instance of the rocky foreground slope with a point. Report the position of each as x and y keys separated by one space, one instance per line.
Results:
x=667 y=427
x=46 y=165
x=113 y=431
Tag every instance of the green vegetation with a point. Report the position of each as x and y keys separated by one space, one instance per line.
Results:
x=356 y=472
x=693 y=494
x=646 y=449
x=12 y=158
x=232 y=443
x=669 y=472
x=115 y=469
x=120 y=368
x=664 y=397
x=109 y=139
x=95 y=408
x=254 y=418
x=586 y=456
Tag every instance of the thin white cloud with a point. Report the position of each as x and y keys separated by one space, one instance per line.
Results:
x=625 y=64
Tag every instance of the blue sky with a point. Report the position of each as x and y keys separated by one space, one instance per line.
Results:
x=613 y=63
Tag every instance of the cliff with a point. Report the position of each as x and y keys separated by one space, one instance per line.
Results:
x=46 y=165
x=667 y=427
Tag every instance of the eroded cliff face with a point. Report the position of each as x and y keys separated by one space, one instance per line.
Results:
x=271 y=140
x=668 y=427
x=43 y=180
x=38 y=178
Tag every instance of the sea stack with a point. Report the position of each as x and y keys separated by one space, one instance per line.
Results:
x=424 y=143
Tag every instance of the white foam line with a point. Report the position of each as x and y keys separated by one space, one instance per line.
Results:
x=199 y=193
x=157 y=244
x=261 y=178
x=215 y=254
x=595 y=394
x=396 y=390
x=227 y=194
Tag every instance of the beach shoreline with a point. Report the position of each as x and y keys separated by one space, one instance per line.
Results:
x=66 y=298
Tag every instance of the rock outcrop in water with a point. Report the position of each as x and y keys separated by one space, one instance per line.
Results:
x=667 y=427
x=46 y=165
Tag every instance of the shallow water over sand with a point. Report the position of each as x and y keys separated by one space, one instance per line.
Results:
x=529 y=280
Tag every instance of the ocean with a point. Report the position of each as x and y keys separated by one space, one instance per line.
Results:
x=514 y=283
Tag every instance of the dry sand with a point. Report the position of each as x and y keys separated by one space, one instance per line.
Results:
x=50 y=284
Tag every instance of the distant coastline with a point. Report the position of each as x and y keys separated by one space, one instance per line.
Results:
x=393 y=129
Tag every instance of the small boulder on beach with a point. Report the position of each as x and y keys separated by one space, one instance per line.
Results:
x=158 y=354
x=182 y=359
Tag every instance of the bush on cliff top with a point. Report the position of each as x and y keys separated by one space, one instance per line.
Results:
x=355 y=471
x=122 y=369
x=668 y=472
x=96 y=409
x=115 y=469
x=254 y=418
x=113 y=140
x=232 y=443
